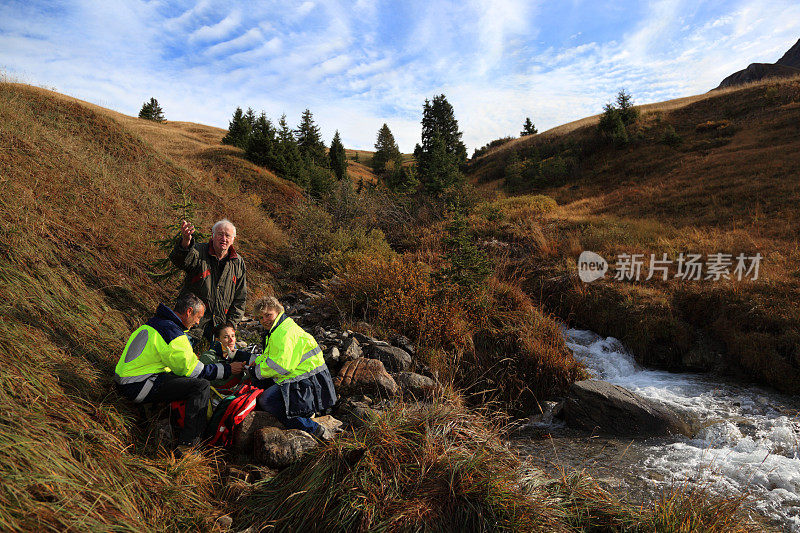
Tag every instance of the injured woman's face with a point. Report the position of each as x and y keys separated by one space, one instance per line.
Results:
x=227 y=338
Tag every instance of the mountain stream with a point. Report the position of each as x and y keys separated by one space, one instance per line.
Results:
x=747 y=438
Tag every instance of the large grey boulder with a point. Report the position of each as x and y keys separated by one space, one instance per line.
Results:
x=365 y=376
x=354 y=413
x=393 y=358
x=244 y=433
x=351 y=349
x=610 y=409
x=415 y=386
x=278 y=447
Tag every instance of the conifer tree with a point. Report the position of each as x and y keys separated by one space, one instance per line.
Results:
x=309 y=140
x=528 y=128
x=386 y=150
x=439 y=118
x=320 y=180
x=442 y=151
x=441 y=171
x=250 y=117
x=289 y=160
x=162 y=269
x=338 y=157
x=466 y=264
x=401 y=179
x=261 y=146
x=285 y=134
x=239 y=130
x=152 y=111
x=627 y=112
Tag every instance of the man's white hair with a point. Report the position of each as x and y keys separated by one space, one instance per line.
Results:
x=221 y=223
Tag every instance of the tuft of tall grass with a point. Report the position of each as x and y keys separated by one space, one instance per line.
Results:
x=422 y=468
x=687 y=508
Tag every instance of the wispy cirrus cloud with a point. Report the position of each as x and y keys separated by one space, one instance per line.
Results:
x=220 y=30
x=359 y=65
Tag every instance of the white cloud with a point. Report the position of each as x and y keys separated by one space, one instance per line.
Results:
x=218 y=31
x=497 y=22
x=179 y=22
x=267 y=49
x=304 y=9
x=357 y=67
x=247 y=39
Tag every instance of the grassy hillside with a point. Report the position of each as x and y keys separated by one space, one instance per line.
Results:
x=706 y=174
x=85 y=191
x=359 y=165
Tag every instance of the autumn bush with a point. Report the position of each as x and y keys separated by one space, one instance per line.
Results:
x=319 y=246
x=491 y=342
x=400 y=295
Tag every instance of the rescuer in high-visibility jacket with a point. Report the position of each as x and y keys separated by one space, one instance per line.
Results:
x=158 y=364
x=291 y=370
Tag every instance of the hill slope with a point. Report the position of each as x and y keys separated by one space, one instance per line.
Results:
x=85 y=191
x=718 y=174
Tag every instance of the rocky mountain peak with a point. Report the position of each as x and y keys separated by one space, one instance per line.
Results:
x=792 y=57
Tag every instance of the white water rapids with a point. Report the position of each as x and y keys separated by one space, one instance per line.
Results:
x=748 y=441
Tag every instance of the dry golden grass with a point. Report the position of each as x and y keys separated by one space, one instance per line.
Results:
x=359 y=172
x=85 y=192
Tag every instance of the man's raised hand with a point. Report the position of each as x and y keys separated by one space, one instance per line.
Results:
x=187 y=229
x=237 y=367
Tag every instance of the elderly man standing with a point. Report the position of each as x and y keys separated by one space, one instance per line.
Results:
x=215 y=273
x=159 y=365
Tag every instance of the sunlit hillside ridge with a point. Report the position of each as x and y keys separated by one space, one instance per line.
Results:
x=713 y=173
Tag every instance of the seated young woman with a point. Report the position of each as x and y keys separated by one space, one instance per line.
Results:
x=224 y=350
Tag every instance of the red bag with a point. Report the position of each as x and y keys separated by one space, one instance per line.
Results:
x=237 y=410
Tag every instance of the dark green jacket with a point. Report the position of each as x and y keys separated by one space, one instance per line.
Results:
x=215 y=355
x=222 y=285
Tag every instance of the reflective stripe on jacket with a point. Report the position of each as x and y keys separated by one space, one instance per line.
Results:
x=290 y=353
x=161 y=346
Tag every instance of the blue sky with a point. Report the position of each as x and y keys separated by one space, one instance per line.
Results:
x=359 y=64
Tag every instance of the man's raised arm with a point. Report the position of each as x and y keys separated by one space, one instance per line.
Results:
x=184 y=255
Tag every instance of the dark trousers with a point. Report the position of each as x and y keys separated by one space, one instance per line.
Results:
x=194 y=391
x=271 y=401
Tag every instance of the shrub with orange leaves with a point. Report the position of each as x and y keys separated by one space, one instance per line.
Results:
x=491 y=342
x=400 y=295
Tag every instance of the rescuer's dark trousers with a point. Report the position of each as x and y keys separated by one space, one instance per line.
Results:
x=194 y=391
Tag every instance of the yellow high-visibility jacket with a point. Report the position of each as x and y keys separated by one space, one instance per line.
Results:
x=294 y=361
x=157 y=347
